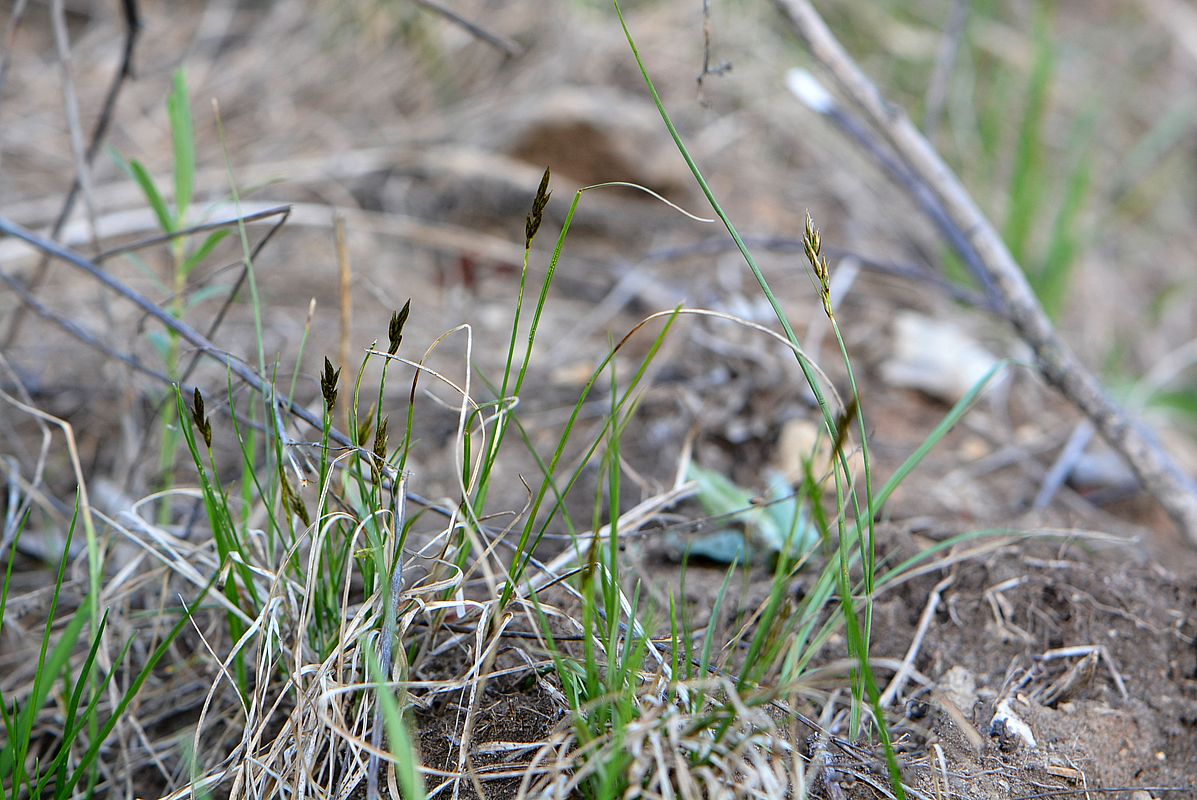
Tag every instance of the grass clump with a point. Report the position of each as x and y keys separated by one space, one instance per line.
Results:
x=330 y=609
x=72 y=673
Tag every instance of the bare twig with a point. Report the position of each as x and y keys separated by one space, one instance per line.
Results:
x=943 y=770
x=193 y=337
x=721 y=68
x=255 y=216
x=1085 y=650
x=945 y=61
x=70 y=101
x=803 y=86
x=283 y=213
x=501 y=43
x=132 y=19
x=79 y=332
x=15 y=14
x=1065 y=462
x=1159 y=473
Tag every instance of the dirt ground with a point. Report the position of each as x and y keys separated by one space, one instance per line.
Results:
x=1078 y=619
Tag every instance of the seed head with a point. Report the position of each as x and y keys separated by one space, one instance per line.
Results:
x=200 y=419
x=812 y=243
x=532 y=225
x=293 y=503
x=395 y=331
x=328 y=384
x=380 y=450
x=380 y=439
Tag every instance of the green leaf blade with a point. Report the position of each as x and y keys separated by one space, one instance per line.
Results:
x=178 y=108
x=152 y=196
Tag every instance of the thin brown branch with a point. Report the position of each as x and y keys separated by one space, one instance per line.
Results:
x=282 y=212
x=193 y=337
x=919 y=191
x=500 y=43
x=70 y=99
x=1159 y=473
x=256 y=216
x=132 y=19
x=15 y=15
x=79 y=332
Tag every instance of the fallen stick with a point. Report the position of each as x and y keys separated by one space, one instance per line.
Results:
x=1155 y=468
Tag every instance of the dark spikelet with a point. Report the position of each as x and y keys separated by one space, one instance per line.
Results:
x=293 y=503
x=537 y=215
x=380 y=450
x=197 y=408
x=200 y=418
x=380 y=439
x=395 y=332
x=328 y=384
x=842 y=423
x=302 y=511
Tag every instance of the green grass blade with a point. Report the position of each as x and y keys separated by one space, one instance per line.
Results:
x=152 y=196
x=134 y=688
x=203 y=251
x=7 y=744
x=941 y=430
x=900 y=569
x=12 y=558
x=70 y=731
x=411 y=782
x=50 y=666
x=529 y=540
x=858 y=640
x=178 y=109
x=1054 y=277
x=1027 y=182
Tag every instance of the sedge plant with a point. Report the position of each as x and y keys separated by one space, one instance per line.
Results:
x=172 y=218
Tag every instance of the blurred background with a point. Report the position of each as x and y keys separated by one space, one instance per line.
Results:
x=406 y=141
x=1071 y=123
